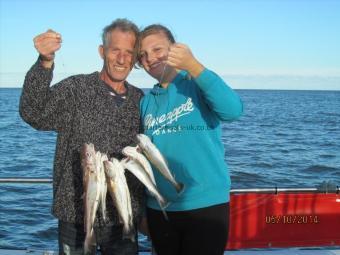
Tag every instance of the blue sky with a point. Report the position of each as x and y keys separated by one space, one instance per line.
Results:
x=252 y=44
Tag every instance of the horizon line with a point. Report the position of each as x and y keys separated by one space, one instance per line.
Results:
x=267 y=89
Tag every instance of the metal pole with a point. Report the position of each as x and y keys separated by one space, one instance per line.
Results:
x=273 y=190
x=322 y=189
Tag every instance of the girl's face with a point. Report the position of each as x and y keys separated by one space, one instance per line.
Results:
x=153 y=53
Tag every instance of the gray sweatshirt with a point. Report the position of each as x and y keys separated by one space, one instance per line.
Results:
x=82 y=109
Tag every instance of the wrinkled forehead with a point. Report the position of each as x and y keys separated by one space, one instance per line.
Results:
x=119 y=36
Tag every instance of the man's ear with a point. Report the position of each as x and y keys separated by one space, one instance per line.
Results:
x=101 y=51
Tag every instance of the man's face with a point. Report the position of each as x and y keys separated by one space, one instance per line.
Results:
x=118 y=55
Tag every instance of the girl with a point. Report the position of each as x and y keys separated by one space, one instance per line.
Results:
x=182 y=115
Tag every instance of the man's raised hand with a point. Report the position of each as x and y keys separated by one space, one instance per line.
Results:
x=47 y=44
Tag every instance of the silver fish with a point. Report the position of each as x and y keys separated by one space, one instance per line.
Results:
x=155 y=156
x=137 y=170
x=92 y=190
x=100 y=158
x=120 y=194
x=135 y=153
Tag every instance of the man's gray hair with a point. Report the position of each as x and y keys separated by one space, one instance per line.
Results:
x=123 y=25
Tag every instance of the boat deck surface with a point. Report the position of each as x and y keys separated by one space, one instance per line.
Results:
x=291 y=251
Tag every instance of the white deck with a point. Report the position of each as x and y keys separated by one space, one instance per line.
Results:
x=291 y=251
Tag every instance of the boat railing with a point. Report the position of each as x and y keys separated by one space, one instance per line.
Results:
x=324 y=187
x=270 y=217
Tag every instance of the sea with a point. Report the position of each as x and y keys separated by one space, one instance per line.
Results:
x=284 y=139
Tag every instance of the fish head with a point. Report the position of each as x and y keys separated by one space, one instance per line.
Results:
x=113 y=168
x=143 y=141
x=104 y=157
x=88 y=155
x=109 y=169
x=129 y=151
x=117 y=165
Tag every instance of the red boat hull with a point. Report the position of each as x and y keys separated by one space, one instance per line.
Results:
x=284 y=220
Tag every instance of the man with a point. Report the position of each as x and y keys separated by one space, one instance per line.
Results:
x=99 y=108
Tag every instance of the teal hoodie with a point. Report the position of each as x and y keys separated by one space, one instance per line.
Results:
x=184 y=122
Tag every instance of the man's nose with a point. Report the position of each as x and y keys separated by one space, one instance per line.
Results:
x=121 y=58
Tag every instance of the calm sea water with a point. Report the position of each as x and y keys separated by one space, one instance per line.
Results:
x=284 y=139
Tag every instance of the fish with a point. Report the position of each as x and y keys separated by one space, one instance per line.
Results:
x=137 y=170
x=120 y=194
x=92 y=190
x=100 y=158
x=156 y=158
x=135 y=153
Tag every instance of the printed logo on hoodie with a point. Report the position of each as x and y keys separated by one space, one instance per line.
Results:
x=166 y=123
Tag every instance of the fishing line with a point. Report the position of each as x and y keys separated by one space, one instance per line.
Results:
x=157 y=92
x=160 y=84
x=162 y=76
x=164 y=68
x=62 y=61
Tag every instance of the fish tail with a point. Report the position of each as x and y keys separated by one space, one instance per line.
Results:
x=90 y=241
x=129 y=233
x=163 y=204
x=179 y=188
x=103 y=208
x=165 y=214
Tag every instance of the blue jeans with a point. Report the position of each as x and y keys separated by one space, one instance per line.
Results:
x=71 y=239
